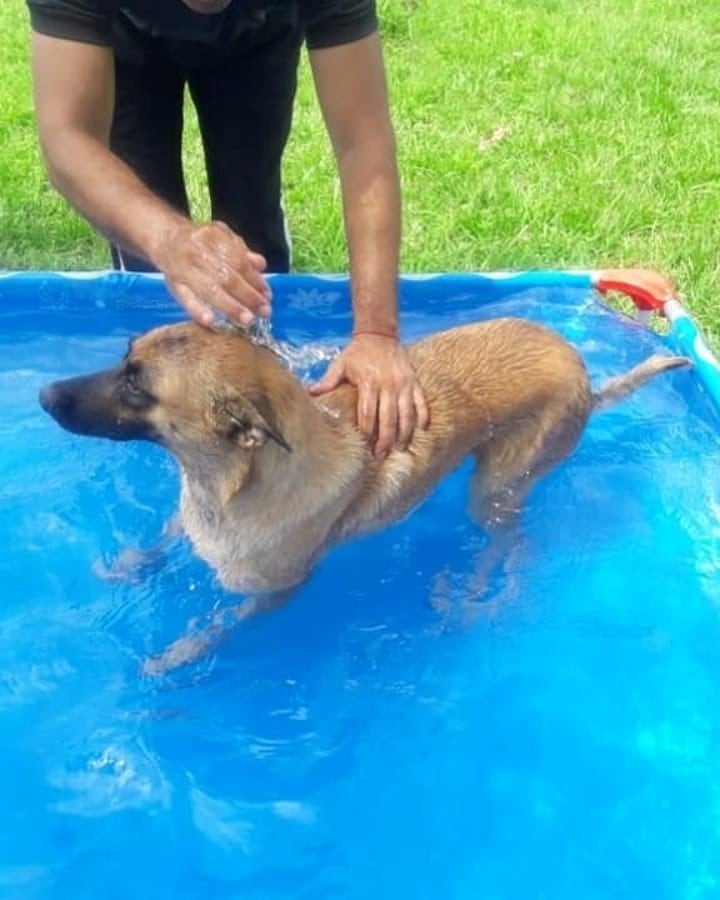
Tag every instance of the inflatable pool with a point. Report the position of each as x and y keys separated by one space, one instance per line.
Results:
x=390 y=732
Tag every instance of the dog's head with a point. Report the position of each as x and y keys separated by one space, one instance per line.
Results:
x=183 y=386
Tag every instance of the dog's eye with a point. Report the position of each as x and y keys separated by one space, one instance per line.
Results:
x=132 y=383
x=134 y=388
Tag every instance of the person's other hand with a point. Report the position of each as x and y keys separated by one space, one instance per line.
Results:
x=208 y=268
x=390 y=400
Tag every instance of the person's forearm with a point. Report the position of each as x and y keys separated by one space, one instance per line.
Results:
x=371 y=201
x=107 y=193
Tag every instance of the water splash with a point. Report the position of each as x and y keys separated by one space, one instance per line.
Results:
x=302 y=360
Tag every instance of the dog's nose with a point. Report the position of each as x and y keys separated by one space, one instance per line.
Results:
x=55 y=401
x=46 y=397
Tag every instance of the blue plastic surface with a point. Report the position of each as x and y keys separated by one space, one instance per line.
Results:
x=389 y=733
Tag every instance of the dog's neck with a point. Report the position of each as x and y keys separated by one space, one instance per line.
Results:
x=236 y=504
x=326 y=456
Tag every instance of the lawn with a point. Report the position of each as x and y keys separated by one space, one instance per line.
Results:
x=547 y=134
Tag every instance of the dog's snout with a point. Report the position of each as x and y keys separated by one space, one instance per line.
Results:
x=45 y=398
x=92 y=405
x=55 y=401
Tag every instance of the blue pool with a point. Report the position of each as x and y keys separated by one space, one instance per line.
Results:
x=389 y=733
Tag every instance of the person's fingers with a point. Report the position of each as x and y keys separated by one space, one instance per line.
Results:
x=227 y=270
x=421 y=408
x=367 y=409
x=237 y=256
x=194 y=307
x=244 y=285
x=334 y=375
x=387 y=422
x=233 y=296
x=407 y=418
x=258 y=260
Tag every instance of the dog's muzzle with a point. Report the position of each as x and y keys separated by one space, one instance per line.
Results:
x=88 y=405
x=57 y=403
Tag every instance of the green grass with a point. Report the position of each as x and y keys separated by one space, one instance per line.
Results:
x=610 y=156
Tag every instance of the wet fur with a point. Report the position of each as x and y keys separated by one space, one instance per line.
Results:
x=272 y=478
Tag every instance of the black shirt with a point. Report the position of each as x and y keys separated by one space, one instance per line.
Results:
x=325 y=23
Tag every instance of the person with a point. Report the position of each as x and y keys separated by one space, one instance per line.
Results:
x=109 y=79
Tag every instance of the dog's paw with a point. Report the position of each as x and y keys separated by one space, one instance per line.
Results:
x=200 y=640
x=128 y=566
x=182 y=652
x=133 y=565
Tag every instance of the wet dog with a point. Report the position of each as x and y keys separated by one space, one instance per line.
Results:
x=272 y=478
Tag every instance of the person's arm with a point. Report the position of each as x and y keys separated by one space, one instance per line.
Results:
x=204 y=264
x=350 y=83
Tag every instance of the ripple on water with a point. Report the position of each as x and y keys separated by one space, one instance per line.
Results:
x=566 y=702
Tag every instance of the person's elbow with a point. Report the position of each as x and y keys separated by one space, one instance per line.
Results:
x=50 y=143
x=66 y=148
x=56 y=149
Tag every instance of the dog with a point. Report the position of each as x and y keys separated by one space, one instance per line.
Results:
x=272 y=478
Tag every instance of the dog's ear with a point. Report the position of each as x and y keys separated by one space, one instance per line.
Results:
x=248 y=421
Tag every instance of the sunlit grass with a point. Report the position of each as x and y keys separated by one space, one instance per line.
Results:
x=531 y=134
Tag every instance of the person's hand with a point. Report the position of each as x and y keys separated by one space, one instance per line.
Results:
x=390 y=400
x=209 y=268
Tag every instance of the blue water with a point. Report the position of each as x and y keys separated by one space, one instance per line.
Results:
x=388 y=733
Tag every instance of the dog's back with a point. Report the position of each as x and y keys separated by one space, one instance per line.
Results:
x=513 y=394
x=508 y=385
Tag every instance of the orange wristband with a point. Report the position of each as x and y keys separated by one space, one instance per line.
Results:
x=386 y=334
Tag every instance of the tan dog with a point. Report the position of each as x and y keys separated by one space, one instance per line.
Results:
x=272 y=478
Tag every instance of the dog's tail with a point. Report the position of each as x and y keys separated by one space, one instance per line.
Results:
x=617 y=389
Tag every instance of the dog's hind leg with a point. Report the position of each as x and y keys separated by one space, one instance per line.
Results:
x=520 y=452
x=498 y=513
x=507 y=468
x=192 y=646
x=498 y=488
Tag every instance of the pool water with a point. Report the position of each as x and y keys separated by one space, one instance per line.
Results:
x=389 y=733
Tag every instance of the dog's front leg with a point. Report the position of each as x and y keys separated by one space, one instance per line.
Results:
x=135 y=563
x=192 y=646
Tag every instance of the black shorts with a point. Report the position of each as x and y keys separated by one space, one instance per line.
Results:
x=243 y=92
